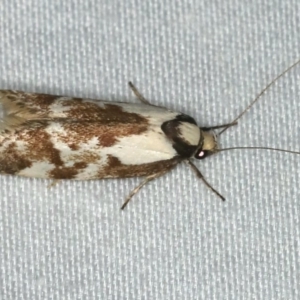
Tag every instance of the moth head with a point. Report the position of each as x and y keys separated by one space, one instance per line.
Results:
x=188 y=139
x=207 y=145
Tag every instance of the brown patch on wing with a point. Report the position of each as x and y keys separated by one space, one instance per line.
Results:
x=73 y=146
x=41 y=101
x=107 y=124
x=83 y=120
x=67 y=172
x=39 y=146
x=90 y=111
x=21 y=107
x=16 y=102
x=115 y=169
x=87 y=156
x=11 y=161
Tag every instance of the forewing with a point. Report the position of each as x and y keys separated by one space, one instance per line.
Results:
x=57 y=137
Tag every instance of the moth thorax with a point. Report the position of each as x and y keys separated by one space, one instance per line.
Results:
x=189 y=133
x=209 y=141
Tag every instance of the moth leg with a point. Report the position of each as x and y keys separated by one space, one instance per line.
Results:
x=199 y=175
x=219 y=126
x=138 y=94
x=144 y=182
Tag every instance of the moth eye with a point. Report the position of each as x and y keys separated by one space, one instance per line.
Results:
x=201 y=154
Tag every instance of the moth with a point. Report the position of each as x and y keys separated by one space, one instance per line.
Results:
x=57 y=137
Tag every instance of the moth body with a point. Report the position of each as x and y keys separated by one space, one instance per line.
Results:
x=57 y=137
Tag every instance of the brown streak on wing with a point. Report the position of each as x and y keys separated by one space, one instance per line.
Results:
x=115 y=169
x=21 y=107
x=89 y=157
x=67 y=172
x=39 y=146
x=105 y=123
x=11 y=162
x=16 y=102
x=40 y=101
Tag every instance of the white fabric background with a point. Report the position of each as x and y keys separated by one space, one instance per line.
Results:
x=175 y=240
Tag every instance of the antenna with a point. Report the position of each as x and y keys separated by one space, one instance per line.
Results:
x=234 y=122
x=258 y=148
x=261 y=93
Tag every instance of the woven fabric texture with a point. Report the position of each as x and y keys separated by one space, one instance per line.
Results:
x=176 y=239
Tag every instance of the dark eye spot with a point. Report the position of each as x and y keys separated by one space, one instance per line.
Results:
x=201 y=154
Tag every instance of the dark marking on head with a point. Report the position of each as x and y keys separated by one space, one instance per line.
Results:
x=186 y=118
x=172 y=131
x=183 y=149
